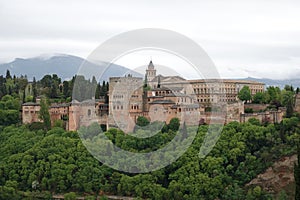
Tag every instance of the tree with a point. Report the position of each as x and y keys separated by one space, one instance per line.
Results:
x=297 y=175
x=274 y=96
x=184 y=131
x=46 y=81
x=259 y=97
x=174 y=124
x=44 y=114
x=24 y=96
x=97 y=93
x=245 y=94
x=70 y=196
x=34 y=90
x=53 y=91
x=288 y=102
x=289 y=88
x=254 y=121
x=59 y=123
x=8 y=76
x=142 y=121
x=66 y=89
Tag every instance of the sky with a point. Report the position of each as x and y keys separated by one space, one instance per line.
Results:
x=243 y=38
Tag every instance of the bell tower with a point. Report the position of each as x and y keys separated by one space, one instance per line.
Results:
x=150 y=72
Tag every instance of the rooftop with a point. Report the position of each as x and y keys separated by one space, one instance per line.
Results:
x=162 y=102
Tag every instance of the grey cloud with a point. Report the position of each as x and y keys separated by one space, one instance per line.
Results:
x=236 y=34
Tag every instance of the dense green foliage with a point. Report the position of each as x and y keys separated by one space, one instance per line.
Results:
x=57 y=161
x=297 y=175
x=245 y=94
x=9 y=110
x=142 y=121
x=50 y=86
x=35 y=162
x=44 y=114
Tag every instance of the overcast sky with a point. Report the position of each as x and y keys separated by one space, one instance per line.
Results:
x=243 y=38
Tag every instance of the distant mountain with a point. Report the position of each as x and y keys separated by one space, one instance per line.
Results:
x=280 y=83
x=65 y=66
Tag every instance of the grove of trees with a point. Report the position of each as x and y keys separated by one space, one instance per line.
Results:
x=40 y=162
x=37 y=162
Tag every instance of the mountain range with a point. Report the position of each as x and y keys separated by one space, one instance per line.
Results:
x=66 y=66
x=272 y=82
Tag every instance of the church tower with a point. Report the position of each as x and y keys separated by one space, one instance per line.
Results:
x=150 y=72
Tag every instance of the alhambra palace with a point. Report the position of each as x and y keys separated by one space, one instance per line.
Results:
x=159 y=98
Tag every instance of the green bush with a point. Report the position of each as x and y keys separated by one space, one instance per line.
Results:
x=70 y=196
x=248 y=110
x=34 y=126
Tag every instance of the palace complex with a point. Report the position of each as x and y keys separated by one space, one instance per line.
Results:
x=158 y=98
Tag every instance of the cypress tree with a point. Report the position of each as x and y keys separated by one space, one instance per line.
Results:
x=44 y=114
x=34 y=90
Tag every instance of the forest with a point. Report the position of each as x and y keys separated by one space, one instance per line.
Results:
x=38 y=163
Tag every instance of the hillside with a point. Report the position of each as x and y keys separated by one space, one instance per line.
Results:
x=279 y=178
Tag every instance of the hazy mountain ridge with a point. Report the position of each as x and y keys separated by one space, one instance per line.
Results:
x=280 y=83
x=65 y=66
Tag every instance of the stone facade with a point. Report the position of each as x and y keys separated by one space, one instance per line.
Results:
x=82 y=114
x=256 y=107
x=224 y=90
x=30 y=112
x=59 y=112
x=161 y=99
x=297 y=103
x=74 y=114
x=125 y=101
x=263 y=117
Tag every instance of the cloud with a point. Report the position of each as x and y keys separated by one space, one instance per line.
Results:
x=259 y=36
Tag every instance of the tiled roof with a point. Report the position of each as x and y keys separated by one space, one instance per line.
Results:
x=58 y=105
x=30 y=104
x=162 y=102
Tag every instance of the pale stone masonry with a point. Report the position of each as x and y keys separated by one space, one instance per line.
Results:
x=74 y=114
x=158 y=98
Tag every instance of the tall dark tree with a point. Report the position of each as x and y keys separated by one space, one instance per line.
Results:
x=34 y=90
x=24 y=96
x=66 y=89
x=174 y=124
x=103 y=89
x=289 y=88
x=184 y=131
x=9 y=90
x=94 y=81
x=8 y=76
x=44 y=114
x=106 y=94
x=97 y=93
x=53 y=90
x=2 y=86
x=288 y=102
